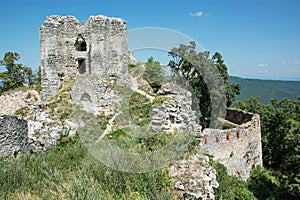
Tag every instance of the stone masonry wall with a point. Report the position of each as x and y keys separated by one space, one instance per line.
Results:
x=94 y=94
x=13 y=136
x=44 y=129
x=194 y=178
x=175 y=113
x=99 y=46
x=238 y=149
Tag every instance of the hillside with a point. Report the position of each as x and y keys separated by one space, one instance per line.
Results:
x=266 y=89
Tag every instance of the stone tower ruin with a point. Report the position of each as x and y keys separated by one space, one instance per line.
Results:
x=68 y=49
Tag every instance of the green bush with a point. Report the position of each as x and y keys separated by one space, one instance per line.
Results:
x=263 y=184
x=231 y=187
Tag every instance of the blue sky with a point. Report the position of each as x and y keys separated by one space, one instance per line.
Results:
x=257 y=38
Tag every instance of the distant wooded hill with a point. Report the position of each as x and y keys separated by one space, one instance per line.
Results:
x=266 y=89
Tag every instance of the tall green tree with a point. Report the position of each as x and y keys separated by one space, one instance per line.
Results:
x=208 y=78
x=231 y=89
x=15 y=74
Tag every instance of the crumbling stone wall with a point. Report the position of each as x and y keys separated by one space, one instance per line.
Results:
x=12 y=101
x=13 y=136
x=175 y=112
x=44 y=129
x=238 y=149
x=99 y=46
x=194 y=178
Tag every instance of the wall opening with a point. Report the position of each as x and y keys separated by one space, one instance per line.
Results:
x=81 y=66
x=61 y=76
x=217 y=140
x=86 y=97
x=205 y=140
x=228 y=136
x=237 y=135
x=80 y=43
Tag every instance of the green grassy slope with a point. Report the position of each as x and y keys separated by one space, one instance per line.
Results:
x=266 y=89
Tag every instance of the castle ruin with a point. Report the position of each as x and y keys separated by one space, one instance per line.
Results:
x=93 y=54
x=67 y=49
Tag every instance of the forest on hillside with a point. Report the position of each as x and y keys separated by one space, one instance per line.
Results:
x=266 y=89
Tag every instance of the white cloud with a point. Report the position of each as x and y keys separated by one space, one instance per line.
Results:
x=295 y=62
x=291 y=62
x=262 y=65
x=196 y=14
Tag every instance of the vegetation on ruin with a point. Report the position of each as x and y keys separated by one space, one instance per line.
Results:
x=158 y=100
x=60 y=104
x=23 y=111
x=70 y=172
x=140 y=109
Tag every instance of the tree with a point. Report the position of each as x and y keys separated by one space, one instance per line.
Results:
x=230 y=187
x=16 y=75
x=154 y=74
x=263 y=183
x=231 y=89
x=280 y=124
x=208 y=78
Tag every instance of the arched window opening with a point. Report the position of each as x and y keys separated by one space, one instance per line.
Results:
x=81 y=66
x=86 y=97
x=80 y=43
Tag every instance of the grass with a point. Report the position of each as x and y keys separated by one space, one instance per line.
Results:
x=140 y=109
x=70 y=172
x=60 y=103
x=23 y=111
x=22 y=88
x=159 y=100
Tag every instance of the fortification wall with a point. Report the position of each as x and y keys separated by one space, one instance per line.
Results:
x=67 y=49
x=238 y=149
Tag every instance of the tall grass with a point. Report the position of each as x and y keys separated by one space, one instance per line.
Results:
x=70 y=172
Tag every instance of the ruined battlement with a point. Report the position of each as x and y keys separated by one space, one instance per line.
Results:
x=68 y=49
x=238 y=149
